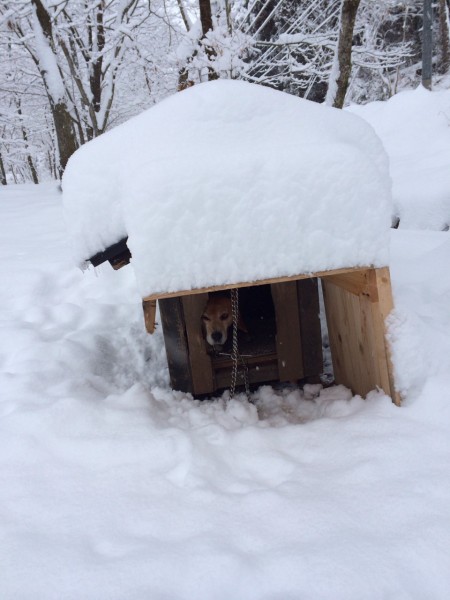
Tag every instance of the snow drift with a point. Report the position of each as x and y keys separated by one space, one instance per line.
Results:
x=115 y=487
x=229 y=182
x=414 y=128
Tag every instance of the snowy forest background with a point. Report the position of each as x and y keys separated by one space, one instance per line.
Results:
x=72 y=69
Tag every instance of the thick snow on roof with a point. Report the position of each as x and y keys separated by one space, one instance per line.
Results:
x=228 y=182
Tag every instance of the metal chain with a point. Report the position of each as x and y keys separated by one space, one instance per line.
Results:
x=234 y=353
x=235 y=356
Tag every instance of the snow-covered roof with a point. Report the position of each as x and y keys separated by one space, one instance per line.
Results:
x=229 y=182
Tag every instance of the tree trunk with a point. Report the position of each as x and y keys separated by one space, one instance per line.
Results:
x=25 y=139
x=65 y=134
x=205 y=16
x=96 y=76
x=2 y=172
x=52 y=164
x=183 y=79
x=264 y=24
x=67 y=142
x=342 y=65
x=207 y=25
x=184 y=15
x=427 y=44
x=444 y=37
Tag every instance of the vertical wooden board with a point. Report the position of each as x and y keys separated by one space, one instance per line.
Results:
x=369 y=363
x=349 y=322
x=199 y=360
x=176 y=344
x=149 y=308
x=289 y=346
x=337 y=323
x=357 y=333
x=311 y=335
x=381 y=280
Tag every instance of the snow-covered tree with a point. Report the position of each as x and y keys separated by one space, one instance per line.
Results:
x=71 y=69
x=291 y=44
x=84 y=51
x=342 y=63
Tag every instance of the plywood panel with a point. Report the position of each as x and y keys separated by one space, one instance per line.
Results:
x=356 y=324
x=353 y=363
x=149 y=308
x=199 y=360
x=380 y=280
x=289 y=346
x=172 y=320
x=311 y=335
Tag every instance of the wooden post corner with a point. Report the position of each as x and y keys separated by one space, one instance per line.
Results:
x=149 y=308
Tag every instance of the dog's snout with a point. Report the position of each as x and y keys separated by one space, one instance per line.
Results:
x=217 y=336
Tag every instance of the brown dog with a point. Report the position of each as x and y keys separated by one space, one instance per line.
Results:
x=217 y=319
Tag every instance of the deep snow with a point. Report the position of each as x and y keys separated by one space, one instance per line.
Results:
x=229 y=181
x=414 y=127
x=113 y=486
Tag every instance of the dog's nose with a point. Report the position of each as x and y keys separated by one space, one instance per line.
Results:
x=217 y=336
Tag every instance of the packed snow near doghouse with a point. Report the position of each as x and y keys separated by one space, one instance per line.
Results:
x=113 y=486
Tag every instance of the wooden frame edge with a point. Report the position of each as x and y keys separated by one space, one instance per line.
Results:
x=242 y=284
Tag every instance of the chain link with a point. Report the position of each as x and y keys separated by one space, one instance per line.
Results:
x=235 y=356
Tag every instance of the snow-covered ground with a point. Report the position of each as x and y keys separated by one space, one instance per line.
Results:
x=112 y=486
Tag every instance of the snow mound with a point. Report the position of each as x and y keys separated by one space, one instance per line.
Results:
x=228 y=182
x=414 y=128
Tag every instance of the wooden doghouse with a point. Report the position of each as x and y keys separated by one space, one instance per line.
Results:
x=233 y=185
x=357 y=303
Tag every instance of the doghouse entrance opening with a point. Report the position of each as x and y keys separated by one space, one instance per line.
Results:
x=284 y=342
x=258 y=314
x=257 y=346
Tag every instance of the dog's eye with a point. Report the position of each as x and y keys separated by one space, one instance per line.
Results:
x=205 y=318
x=224 y=317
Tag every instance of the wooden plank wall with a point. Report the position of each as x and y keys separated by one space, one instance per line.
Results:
x=357 y=304
x=175 y=341
x=289 y=346
x=311 y=334
x=199 y=360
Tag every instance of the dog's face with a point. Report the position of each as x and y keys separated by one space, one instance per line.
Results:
x=217 y=318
